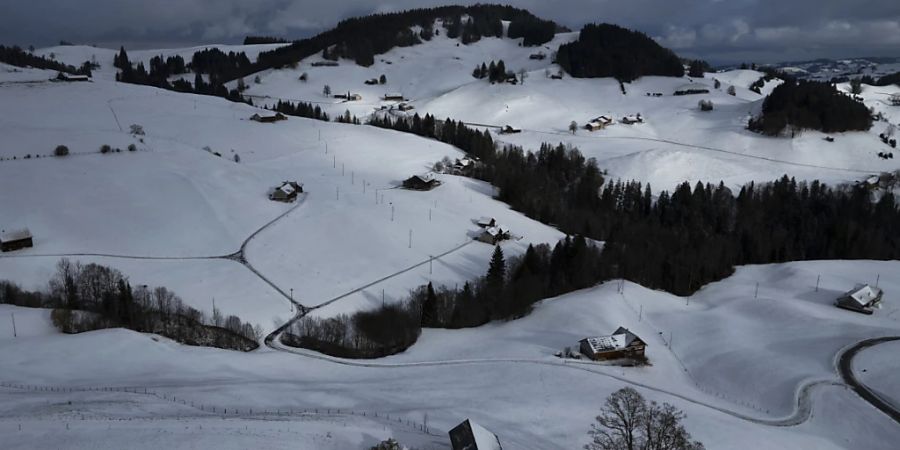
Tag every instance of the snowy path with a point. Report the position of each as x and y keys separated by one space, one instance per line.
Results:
x=845 y=364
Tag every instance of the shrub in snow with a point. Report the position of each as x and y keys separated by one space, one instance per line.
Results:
x=132 y=147
x=105 y=149
x=731 y=90
x=389 y=444
x=61 y=150
x=137 y=130
x=706 y=105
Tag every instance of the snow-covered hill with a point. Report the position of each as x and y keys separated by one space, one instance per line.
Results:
x=750 y=358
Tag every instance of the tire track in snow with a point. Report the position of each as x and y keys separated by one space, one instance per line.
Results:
x=845 y=368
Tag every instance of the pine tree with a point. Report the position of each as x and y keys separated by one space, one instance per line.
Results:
x=496 y=274
x=429 y=307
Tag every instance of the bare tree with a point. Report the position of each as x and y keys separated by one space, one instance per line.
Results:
x=628 y=422
x=573 y=127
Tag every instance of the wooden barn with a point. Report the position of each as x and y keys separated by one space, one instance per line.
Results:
x=463 y=166
x=424 y=182
x=632 y=119
x=15 y=240
x=493 y=235
x=268 y=119
x=862 y=299
x=63 y=76
x=405 y=107
x=599 y=123
x=394 y=96
x=471 y=436
x=621 y=344
x=287 y=192
x=486 y=222
x=509 y=129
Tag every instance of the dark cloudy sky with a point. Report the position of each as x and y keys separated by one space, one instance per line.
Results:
x=719 y=30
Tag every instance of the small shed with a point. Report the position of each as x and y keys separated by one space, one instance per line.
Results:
x=405 y=107
x=691 y=89
x=862 y=299
x=349 y=96
x=423 y=182
x=493 y=235
x=15 y=239
x=621 y=344
x=63 y=76
x=286 y=192
x=633 y=119
x=486 y=222
x=268 y=119
x=509 y=129
x=471 y=436
x=394 y=96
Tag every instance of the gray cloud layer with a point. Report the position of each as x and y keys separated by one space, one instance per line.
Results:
x=719 y=30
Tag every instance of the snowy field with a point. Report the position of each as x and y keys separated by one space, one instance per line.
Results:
x=877 y=368
x=503 y=375
x=750 y=359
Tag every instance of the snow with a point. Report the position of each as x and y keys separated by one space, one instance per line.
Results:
x=735 y=359
x=878 y=367
x=484 y=439
x=604 y=343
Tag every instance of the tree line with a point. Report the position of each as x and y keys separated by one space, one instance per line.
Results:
x=361 y=38
x=300 y=109
x=217 y=69
x=607 y=50
x=678 y=240
x=87 y=297
x=507 y=291
x=15 y=56
x=495 y=72
x=799 y=105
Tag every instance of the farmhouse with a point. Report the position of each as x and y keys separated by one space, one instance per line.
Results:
x=599 y=123
x=633 y=119
x=15 y=239
x=424 y=182
x=287 y=192
x=621 y=344
x=405 y=107
x=349 y=96
x=463 y=166
x=395 y=96
x=471 y=436
x=862 y=298
x=539 y=56
x=508 y=129
x=268 y=119
x=62 y=76
x=493 y=235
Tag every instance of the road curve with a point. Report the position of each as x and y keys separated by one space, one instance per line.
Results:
x=845 y=369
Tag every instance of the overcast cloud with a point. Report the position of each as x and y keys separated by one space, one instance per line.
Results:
x=718 y=30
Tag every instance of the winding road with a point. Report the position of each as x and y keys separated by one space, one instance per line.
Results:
x=845 y=368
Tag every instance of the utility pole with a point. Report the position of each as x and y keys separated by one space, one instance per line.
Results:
x=877 y=279
x=364 y=186
x=817 y=282
x=342 y=169
x=382 y=298
x=292 y=299
x=429 y=214
x=334 y=163
x=410 y=238
x=13 y=316
x=392 y=212
x=641 y=313
x=756 y=295
x=430 y=261
x=352 y=177
x=338 y=192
